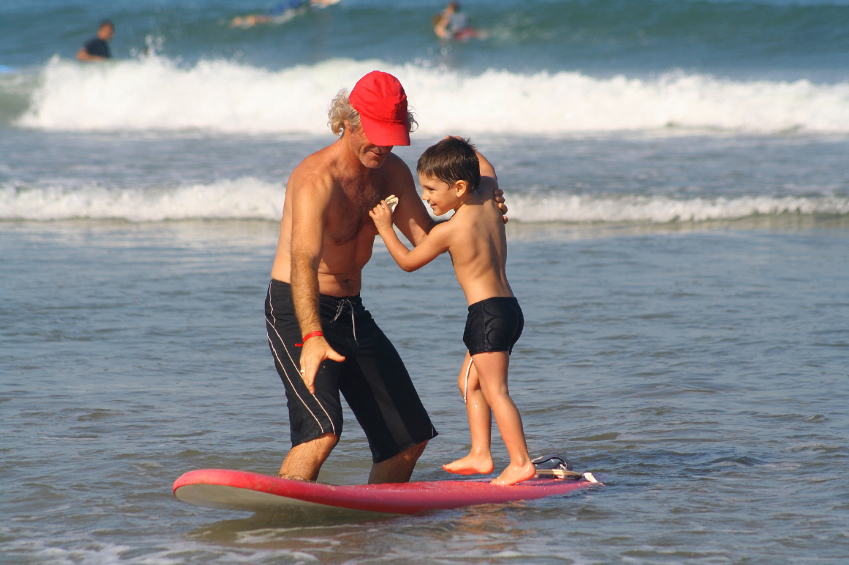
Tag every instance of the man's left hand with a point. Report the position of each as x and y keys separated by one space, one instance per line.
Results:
x=498 y=194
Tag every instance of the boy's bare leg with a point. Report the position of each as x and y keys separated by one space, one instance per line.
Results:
x=492 y=374
x=304 y=461
x=397 y=469
x=479 y=459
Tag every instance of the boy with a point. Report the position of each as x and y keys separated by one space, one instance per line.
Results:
x=454 y=176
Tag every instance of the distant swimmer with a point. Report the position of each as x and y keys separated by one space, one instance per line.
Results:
x=280 y=12
x=453 y=24
x=97 y=48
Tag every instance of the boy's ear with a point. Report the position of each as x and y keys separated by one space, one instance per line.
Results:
x=462 y=187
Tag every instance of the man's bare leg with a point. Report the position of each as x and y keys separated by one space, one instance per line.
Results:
x=492 y=374
x=397 y=469
x=304 y=461
x=479 y=459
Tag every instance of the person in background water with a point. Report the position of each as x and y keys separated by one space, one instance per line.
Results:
x=280 y=12
x=453 y=24
x=96 y=48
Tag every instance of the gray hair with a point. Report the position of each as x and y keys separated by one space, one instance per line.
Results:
x=341 y=110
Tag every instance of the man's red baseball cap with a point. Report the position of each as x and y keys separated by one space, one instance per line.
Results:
x=381 y=102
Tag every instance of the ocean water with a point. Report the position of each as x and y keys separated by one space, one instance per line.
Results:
x=678 y=185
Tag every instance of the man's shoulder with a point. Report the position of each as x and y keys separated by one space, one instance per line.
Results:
x=393 y=160
x=396 y=167
x=319 y=163
x=316 y=170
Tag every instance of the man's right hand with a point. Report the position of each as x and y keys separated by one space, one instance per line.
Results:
x=314 y=351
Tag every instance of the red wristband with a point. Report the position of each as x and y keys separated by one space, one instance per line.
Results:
x=309 y=335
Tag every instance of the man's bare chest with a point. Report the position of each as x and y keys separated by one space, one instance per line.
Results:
x=348 y=217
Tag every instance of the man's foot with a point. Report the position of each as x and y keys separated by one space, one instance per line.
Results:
x=471 y=465
x=515 y=474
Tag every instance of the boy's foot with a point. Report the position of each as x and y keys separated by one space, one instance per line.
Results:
x=471 y=465
x=515 y=474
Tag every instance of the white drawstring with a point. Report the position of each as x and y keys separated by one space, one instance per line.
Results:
x=339 y=308
x=466 y=388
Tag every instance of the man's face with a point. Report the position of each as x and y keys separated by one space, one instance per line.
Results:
x=106 y=33
x=370 y=155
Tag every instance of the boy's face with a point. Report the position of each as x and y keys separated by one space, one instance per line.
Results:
x=441 y=196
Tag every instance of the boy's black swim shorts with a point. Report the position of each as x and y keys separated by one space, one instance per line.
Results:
x=494 y=324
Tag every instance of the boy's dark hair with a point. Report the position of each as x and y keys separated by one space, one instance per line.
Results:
x=451 y=160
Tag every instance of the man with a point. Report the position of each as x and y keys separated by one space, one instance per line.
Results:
x=322 y=338
x=96 y=48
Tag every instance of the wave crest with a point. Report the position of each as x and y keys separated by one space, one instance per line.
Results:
x=242 y=199
x=663 y=210
x=222 y=96
x=249 y=198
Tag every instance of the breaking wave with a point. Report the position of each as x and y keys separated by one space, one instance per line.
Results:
x=253 y=199
x=222 y=96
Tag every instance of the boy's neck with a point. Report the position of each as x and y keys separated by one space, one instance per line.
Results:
x=471 y=197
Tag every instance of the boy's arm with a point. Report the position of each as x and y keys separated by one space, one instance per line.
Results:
x=428 y=248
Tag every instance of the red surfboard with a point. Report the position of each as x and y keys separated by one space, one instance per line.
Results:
x=240 y=490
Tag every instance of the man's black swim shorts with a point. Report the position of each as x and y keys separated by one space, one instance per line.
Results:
x=494 y=324
x=372 y=378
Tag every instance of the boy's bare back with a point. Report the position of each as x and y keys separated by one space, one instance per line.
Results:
x=478 y=245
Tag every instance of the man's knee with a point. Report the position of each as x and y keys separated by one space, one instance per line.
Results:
x=318 y=447
x=323 y=441
x=397 y=469
x=304 y=461
x=413 y=453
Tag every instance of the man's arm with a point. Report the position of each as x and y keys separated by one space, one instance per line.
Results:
x=309 y=207
x=410 y=214
x=487 y=170
x=489 y=182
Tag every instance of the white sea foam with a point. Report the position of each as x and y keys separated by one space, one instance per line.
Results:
x=157 y=94
x=252 y=199
x=245 y=198
x=662 y=209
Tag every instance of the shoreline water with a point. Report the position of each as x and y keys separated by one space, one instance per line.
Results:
x=699 y=374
